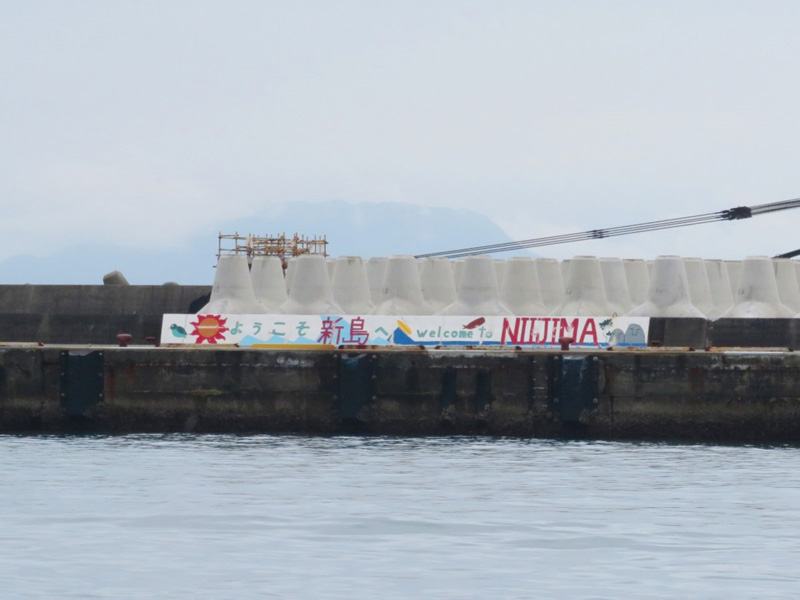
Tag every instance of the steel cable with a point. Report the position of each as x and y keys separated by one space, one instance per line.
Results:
x=739 y=212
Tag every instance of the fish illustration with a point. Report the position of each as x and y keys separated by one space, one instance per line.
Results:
x=476 y=323
x=178 y=331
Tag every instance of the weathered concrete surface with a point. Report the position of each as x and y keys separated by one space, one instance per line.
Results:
x=97 y=299
x=652 y=394
x=95 y=314
x=752 y=396
x=91 y=314
x=776 y=333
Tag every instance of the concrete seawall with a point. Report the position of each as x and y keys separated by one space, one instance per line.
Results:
x=95 y=314
x=54 y=378
x=91 y=314
x=652 y=394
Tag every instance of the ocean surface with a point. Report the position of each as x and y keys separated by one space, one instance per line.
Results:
x=192 y=516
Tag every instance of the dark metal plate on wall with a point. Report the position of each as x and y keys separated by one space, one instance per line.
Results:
x=82 y=381
x=573 y=385
x=355 y=384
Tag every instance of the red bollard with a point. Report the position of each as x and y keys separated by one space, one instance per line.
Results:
x=565 y=342
x=124 y=339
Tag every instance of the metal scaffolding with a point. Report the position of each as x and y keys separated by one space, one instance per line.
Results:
x=284 y=247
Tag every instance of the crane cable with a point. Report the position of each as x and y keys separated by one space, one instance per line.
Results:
x=731 y=214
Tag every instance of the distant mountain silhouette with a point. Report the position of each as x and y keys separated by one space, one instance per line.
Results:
x=366 y=229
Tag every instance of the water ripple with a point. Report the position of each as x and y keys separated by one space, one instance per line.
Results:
x=185 y=516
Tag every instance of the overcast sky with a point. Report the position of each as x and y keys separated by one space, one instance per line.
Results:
x=138 y=123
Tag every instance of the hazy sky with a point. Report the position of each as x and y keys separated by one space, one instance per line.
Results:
x=137 y=123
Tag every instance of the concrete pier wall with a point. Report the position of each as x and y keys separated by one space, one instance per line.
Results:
x=91 y=314
x=95 y=314
x=674 y=390
x=646 y=394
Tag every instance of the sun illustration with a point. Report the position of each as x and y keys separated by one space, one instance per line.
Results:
x=209 y=328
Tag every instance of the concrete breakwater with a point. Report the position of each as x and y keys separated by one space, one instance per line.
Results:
x=658 y=394
x=91 y=314
x=728 y=379
x=95 y=314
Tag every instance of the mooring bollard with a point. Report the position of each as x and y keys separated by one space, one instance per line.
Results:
x=124 y=339
x=565 y=342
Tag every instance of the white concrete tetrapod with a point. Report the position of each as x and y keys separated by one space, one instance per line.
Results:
x=668 y=295
x=650 y=267
x=458 y=269
x=289 y=275
x=699 y=289
x=232 y=292
x=438 y=283
x=616 y=284
x=311 y=288
x=584 y=291
x=720 y=286
x=551 y=282
x=796 y=264
x=331 y=264
x=402 y=289
x=734 y=272
x=477 y=290
x=349 y=286
x=500 y=271
x=520 y=291
x=788 y=289
x=757 y=295
x=797 y=269
x=268 y=282
x=376 y=269
x=638 y=277
x=564 y=268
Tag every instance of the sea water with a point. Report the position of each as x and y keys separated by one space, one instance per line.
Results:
x=202 y=516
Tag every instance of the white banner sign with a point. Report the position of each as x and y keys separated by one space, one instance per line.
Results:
x=266 y=331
